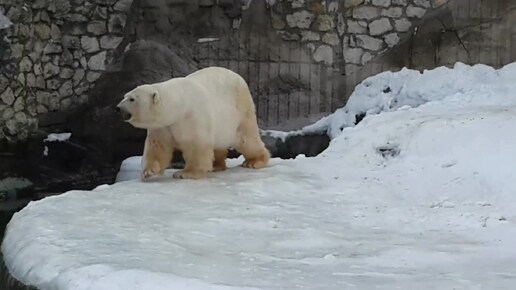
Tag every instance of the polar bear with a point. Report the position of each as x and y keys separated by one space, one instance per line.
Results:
x=203 y=115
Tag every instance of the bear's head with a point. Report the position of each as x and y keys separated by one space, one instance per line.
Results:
x=140 y=107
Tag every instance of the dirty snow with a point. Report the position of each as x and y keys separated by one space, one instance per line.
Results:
x=411 y=198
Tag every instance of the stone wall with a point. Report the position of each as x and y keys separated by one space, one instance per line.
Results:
x=56 y=51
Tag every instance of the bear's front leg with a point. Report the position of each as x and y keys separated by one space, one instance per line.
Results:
x=157 y=153
x=198 y=161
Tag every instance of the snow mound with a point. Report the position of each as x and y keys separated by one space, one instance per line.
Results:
x=420 y=196
x=390 y=91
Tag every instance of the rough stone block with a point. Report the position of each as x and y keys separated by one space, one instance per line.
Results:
x=90 y=44
x=310 y=36
x=393 y=12
x=355 y=28
x=366 y=12
x=369 y=43
x=380 y=26
x=392 y=39
x=301 y=19
x=324 y=23
x=353 y=55
x=381 y=3
x=423 y=3
x=402 y=25
x=415 y=12
x=331 y=38
x=324 y=53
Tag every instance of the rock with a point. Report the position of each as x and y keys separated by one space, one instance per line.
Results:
x=16 y=50
x=78 y=76
x=100 y=13
x=41 y=109
x=66 y=89
x=40 y=82
x=43 y=98
x=42 y=16
x=53 y=84
x=318 y=7
x=90 y=44
x=19 y=104
x=310 y=36
x=333 y=7
x=50 y=70
x=77 y=18
x=366 y=57
x=71 y=42
x=52 y=48
x=66 y=73
x=25 y=64
x=379 y=26
x=97 y=62
x=7 y=96
x=92 y=76
x=324 y=53
x=331 y=38
x=124 y=5
x=21 y=81
x=382 y=3
x=366 y=12
x=298 y=3
x=415 y=12
x=289 y=36
x=341 y=24
x=8 y=113
x=352 y=3
x=393 y=12
x=110 y=42
x=38 y=70
x=66 y=104
x=31 y=80
x=399 y=2
x=301 y=19
x=38 y=4
x=116 y=23
x=392 y=39
x=355 y=28
x=324 y=23
x=97 y=27
x=65 y=59
x=369 y=43
x=402 y=25
x=422 y=3
x=277 y=22
x=438 y=3
x=353 y=55
x=42 y=31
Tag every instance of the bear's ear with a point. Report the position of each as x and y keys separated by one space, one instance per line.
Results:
x=155 y=97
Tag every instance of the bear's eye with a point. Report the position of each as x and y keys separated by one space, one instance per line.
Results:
x=131 y=99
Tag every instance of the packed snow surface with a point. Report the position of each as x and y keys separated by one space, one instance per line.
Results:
x=411 y=198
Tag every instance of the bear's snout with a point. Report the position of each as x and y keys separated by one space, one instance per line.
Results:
x=123 y=113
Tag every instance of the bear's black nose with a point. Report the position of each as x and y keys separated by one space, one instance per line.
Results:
x=117 y=109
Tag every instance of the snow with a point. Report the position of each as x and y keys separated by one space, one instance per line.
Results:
x=207 y=39
x=58 y=137
x=418 y=197
x=389 y=91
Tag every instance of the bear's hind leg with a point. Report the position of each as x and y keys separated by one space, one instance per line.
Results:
x=157 y=152
x=251 y=145
x=219 y=164
x=198 y=161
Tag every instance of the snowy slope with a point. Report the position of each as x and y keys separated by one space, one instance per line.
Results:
x=413 y=198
